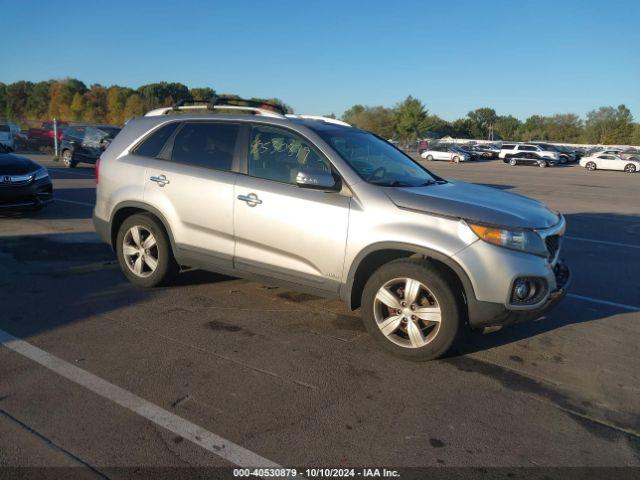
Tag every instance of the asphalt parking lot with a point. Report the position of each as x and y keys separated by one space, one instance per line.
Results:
x=294 y=379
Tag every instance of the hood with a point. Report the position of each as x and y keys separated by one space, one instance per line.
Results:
x=475 y=203
x=11 y=164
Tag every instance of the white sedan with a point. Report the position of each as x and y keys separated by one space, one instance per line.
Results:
x=609 y=161
x=444 y=153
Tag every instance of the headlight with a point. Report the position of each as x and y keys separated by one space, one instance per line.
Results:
x=522 y=240
x=42 y=173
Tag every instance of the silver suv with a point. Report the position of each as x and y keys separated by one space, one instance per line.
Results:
x=314 y=205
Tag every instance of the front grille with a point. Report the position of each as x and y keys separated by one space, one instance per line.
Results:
x=553 y=245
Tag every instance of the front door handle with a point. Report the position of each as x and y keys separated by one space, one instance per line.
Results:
x=160 y=180
x=251 y=199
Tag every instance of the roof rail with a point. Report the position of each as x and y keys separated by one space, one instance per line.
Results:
x=320 y=118
x=258 y=107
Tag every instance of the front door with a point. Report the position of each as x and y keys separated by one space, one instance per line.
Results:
x=282 y=230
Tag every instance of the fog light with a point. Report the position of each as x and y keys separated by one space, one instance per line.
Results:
x=522 y=290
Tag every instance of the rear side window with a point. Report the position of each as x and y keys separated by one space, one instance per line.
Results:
x=152 y=146
x=527 y=148
x=209 y=145
x=4 y=128
x=76 y=133
x=508 y=146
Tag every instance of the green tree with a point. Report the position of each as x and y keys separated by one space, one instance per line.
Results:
x=609 y=125
x=411 y=119
x=3 y=100
x=635 y=136
x=204 y=93
x=506 y=127
x=17 y=97
x=461 y=128
x=133 y=107
x=379 y=120
x=95 y=108
x=153 y=95
x=482 y=119
x=116 y=101
x=533 y=128
x=566 y=127
x=77 y=107
x=61 y=95
x=38 y=102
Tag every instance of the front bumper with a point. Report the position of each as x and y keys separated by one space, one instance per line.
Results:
x=34 y=195
x=499 y=315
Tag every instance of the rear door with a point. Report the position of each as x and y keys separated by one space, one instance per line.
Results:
x=291 y=233
x=190 y=181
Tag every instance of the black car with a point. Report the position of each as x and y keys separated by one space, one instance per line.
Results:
x=528 y=158
x=24 y=185
x=481 y=152
x=85 y=143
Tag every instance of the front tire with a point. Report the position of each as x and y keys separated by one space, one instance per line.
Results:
x=411 y=309
x=144 y=252
x=456 y=159
x=543 y=164
x=513 y=162
x=630 y=168
x=591 y=166
x=430 y=158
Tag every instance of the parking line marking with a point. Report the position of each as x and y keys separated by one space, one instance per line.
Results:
x=604 y=242
x=633 y=308
x=74 y=202
x=209 y=441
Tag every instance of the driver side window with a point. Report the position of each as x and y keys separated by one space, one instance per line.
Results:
x=277 y=154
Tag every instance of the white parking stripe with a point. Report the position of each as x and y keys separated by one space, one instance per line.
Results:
x=57 y=199
x=633 y=308
x=209 y=441
x=604 y=242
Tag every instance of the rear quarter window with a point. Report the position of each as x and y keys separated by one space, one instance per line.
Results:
x=153 y=144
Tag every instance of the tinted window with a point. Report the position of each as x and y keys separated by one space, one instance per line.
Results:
x=508 y=146
x=276 y=154
x=4 y=128
x=527 y=148
x=109 y=132
x=153 y=144
x=209 y=145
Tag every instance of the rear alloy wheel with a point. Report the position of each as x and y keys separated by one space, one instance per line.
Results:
x=67 y=159
x=410 y=308
x=543 y=164
x=513 y=162
x=591 y=166
x=630 y=168
x=456 y=159
x=430 y=158
x=144 y=251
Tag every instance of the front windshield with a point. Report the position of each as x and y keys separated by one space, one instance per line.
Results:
x=375 y=160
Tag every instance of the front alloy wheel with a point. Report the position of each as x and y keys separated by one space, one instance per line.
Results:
x=413 y=309
x=407 y=313
x=67 y=159
x=590 y=166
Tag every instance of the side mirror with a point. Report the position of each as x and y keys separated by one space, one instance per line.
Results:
x=318 y=180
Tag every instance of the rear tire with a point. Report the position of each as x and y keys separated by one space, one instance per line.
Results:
x=543 y=164
x=67 y=159
x=434 y=291
x=157 y=265
x=430 y=158
x=513 y=162
x=456 y=159
x=630 y=168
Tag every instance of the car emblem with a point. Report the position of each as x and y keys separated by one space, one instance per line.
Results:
x=6 y=179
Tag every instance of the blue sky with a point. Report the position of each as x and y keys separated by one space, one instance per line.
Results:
x=519 y=57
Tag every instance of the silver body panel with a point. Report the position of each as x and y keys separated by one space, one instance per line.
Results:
x=312 y=238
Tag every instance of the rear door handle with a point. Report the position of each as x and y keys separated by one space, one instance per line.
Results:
x=251 y=199
x=161 y=180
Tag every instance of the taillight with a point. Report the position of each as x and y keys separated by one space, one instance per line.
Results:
x=97 y=170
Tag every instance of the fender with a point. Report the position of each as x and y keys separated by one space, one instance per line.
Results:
x=477 y=310
x=146 y=207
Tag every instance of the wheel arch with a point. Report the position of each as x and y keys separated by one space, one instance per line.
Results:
x=374 y=256
x=124 y=210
